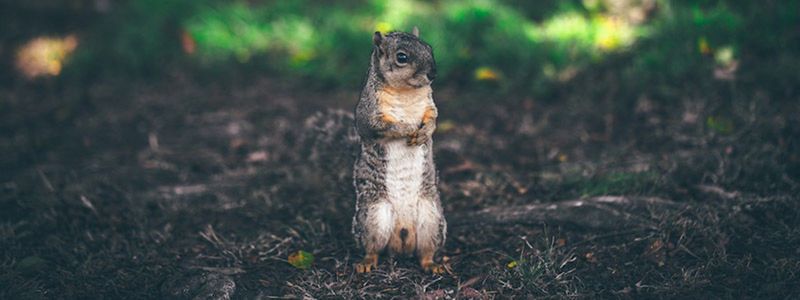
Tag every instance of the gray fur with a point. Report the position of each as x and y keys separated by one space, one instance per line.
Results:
x=378 y=136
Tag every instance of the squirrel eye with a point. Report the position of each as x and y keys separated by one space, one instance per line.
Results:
x=402 y=58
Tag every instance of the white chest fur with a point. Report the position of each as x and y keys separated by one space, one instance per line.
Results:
x=404 y=168
x=405 y=164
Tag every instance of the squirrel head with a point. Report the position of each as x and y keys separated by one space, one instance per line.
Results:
x=403 y=61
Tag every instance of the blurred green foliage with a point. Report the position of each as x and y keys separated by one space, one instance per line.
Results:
x=616 y=184
x=331 y=42
x=505 y=45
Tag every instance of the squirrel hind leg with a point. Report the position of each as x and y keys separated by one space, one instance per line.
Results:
x=374 y=227
x=369 y=262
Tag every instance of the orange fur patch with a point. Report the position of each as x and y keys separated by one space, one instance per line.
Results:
x=387 y=118
x=404 y=105
x=428 y=115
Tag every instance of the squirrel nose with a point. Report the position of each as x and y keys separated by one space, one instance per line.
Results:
x=431 y=75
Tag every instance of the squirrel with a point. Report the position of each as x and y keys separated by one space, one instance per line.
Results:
x=397 y=201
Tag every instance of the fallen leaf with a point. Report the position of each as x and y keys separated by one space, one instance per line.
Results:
x=512 y=264
x=301 y=259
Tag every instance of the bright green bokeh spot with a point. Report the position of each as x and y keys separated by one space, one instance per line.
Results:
x=724 y=55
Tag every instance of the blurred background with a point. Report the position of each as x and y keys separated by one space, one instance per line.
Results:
x=145 y=138
x=508 y=45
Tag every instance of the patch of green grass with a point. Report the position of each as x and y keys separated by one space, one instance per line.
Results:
x=543 y=269
x=618 y=183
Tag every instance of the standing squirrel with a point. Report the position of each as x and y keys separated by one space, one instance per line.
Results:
x=397 y=202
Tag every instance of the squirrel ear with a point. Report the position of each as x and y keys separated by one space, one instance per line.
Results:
x=415 y=31
x=377 y=38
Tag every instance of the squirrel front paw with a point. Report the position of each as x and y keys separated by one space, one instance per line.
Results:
x=417 y=138
x=422 y=134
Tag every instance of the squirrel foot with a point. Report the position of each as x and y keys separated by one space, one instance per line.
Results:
x=435 y=268
x=369 y=262
x=428 y=265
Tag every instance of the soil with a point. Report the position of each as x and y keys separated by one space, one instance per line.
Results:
x=193 y=189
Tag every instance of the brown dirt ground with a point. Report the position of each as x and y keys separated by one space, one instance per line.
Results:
x=188 y=189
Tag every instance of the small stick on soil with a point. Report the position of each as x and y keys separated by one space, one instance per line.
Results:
x=46 y=181
x=597 y=212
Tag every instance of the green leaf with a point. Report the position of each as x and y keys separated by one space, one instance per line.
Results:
x=301 y=259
